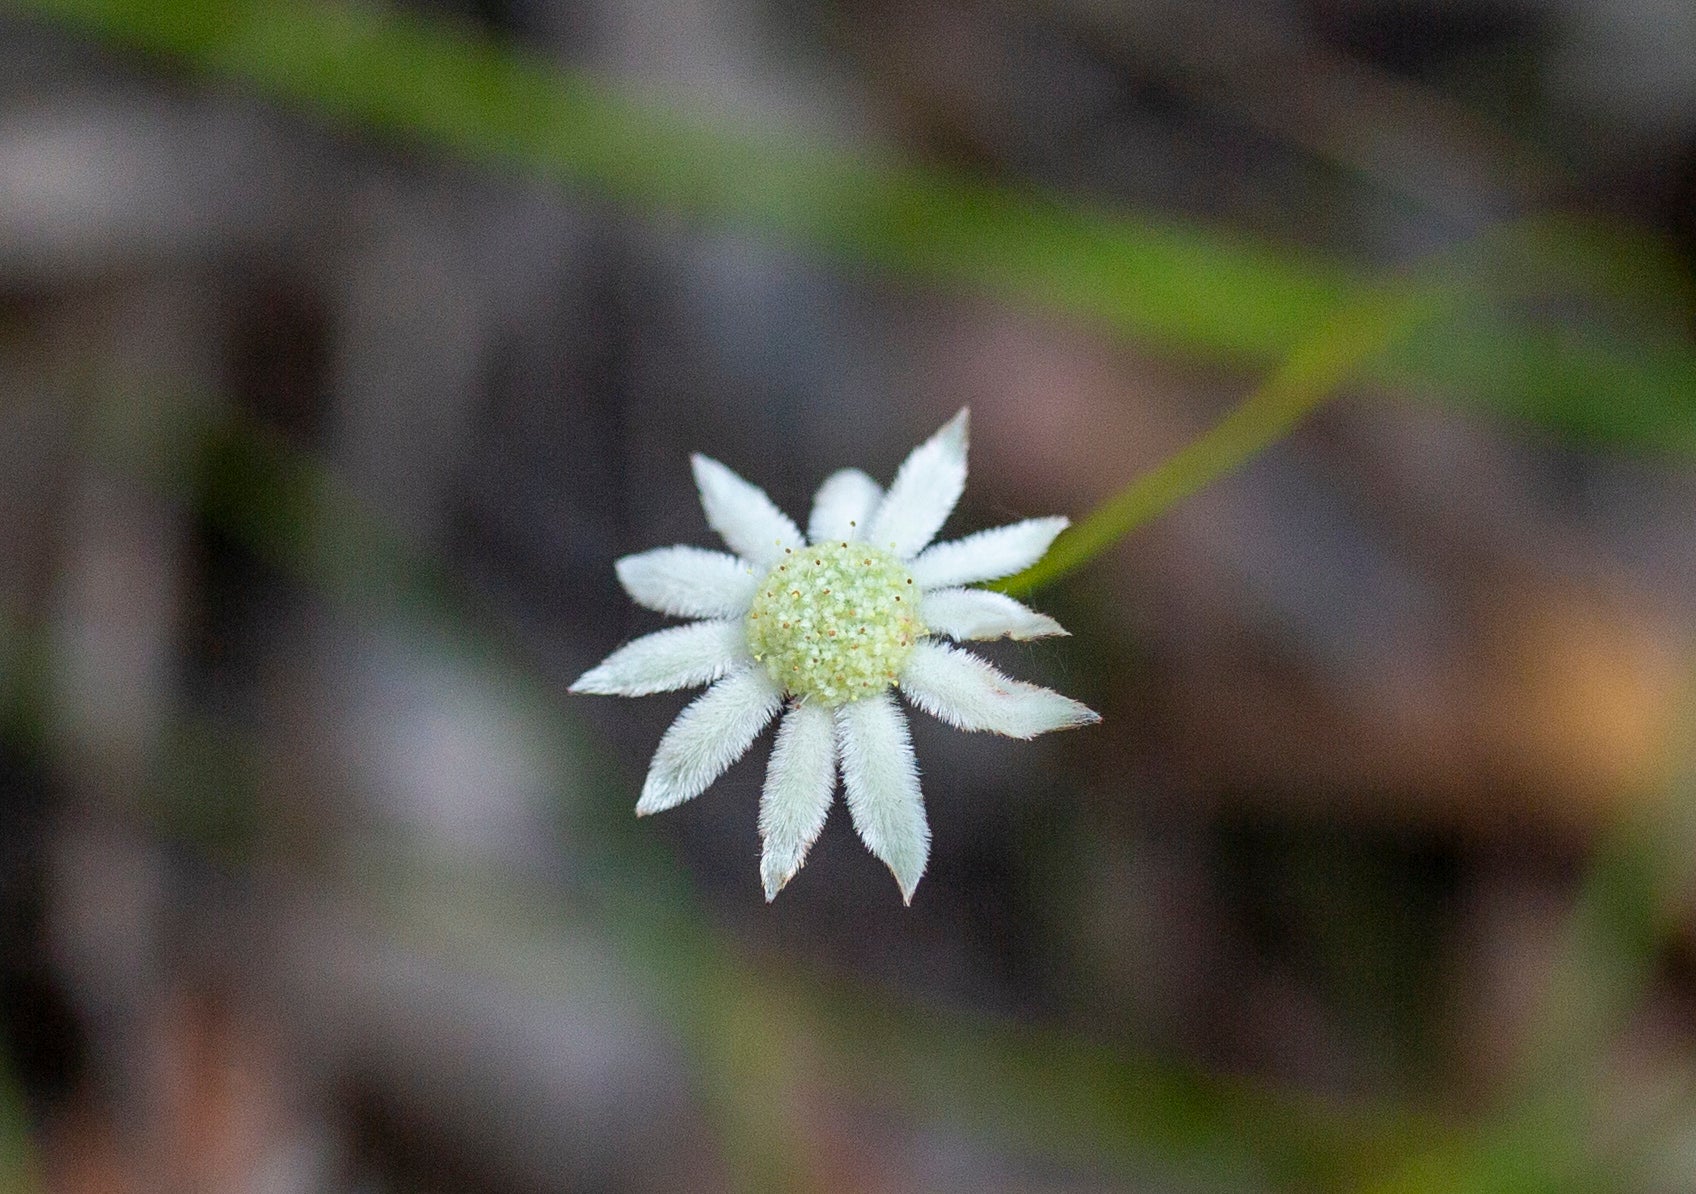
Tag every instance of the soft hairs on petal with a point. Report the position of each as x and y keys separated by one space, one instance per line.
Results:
x=964 y=691
x=708 y=736
x=681 y=657
x=843 y=507
x=987 y=555
x=926 y=487
x=799 y=784
x=689 y=582
x=978 y=613
x=742 y=514
x=881 y=782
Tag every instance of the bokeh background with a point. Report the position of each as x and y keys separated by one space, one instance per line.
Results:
x=343 y=347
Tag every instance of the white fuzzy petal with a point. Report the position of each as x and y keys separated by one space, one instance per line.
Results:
x=688 y=582
x=926 y=487
x=799 y=784
x=681 y=657
x=987 y=555
x=844 y=506
x=708 y=736
x=881 y=782
x=961 y=689
x=742 y=514
x=978 y=613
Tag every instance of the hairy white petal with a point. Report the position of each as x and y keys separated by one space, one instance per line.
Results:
x=926 y=487
x=708 y=736
x=964 y=691
x=844 y=506
x=689 y=582
x=881 y=782
x=681 y=657
x=742 y=514
x=978 y=613
x=799 y=784
x=987 y=555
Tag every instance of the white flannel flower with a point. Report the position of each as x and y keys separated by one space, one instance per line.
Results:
x=820 y=627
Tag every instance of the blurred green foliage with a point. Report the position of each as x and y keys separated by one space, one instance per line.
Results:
x=1199 y=292
x=19 y=1173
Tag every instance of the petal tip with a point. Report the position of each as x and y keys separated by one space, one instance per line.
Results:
x=701 y=466
x=1073 y=715
x=775 y=877
x=654 y=799
x=1040 y=626
x=915 y=870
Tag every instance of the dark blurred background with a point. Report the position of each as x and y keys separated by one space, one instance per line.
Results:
x=319 y=442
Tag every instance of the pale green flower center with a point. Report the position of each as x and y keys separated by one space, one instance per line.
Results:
x=835 y=622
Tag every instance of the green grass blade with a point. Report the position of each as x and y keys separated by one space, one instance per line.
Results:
x=1180 y=287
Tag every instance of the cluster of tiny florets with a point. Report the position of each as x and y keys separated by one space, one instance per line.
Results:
x=834 y=622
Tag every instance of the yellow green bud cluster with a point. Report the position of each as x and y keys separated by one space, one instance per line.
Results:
x=834 y=622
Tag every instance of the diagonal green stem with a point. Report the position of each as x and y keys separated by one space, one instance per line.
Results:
x=1311 y=375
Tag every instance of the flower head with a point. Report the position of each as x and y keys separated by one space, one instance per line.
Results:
x=820 y=627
